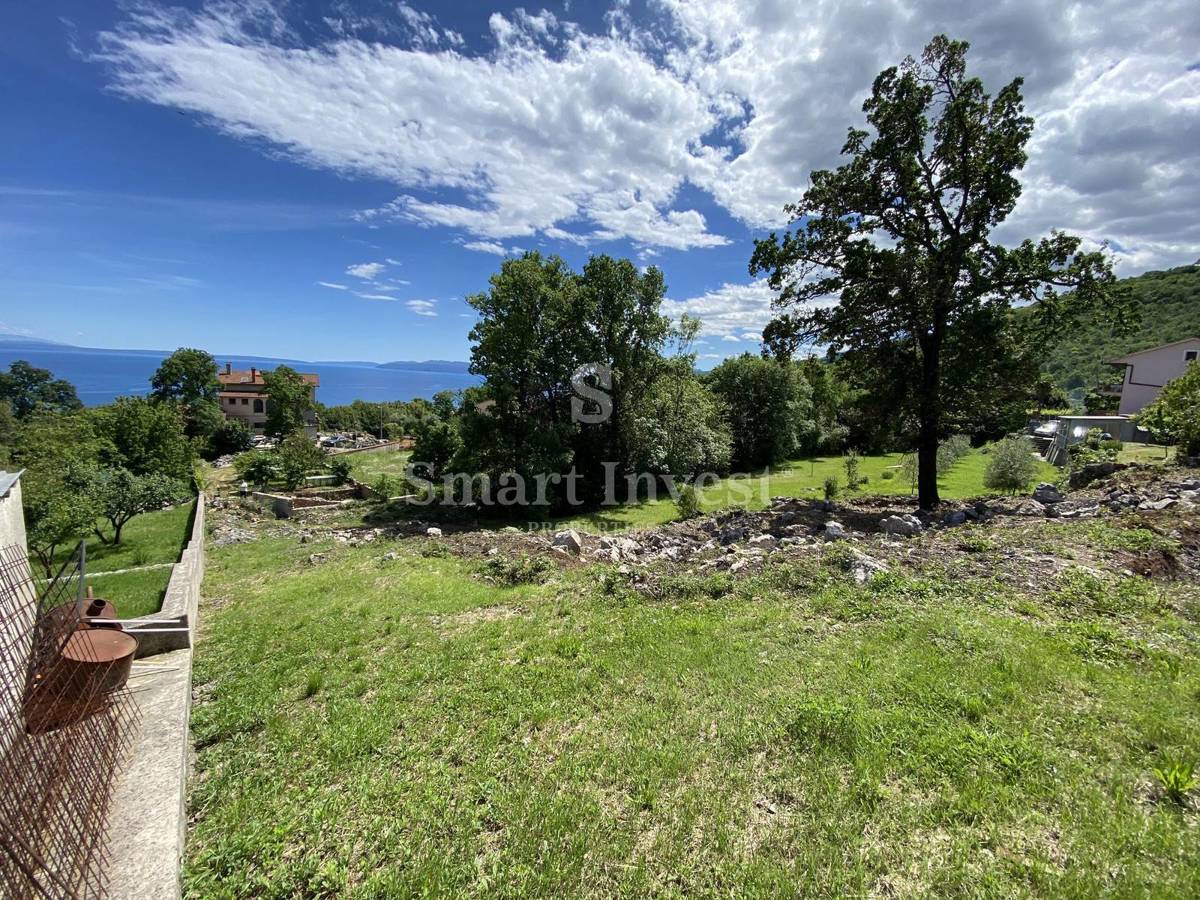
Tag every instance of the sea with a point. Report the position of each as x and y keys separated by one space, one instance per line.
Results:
x=101 y=375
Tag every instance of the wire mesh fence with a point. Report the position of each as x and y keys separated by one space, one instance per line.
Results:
x=66 y=721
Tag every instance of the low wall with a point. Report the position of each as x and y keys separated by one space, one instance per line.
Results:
x=171 y=627
x=376 y=448
x=147 y=820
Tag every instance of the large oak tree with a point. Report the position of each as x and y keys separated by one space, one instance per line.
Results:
x=900 y=236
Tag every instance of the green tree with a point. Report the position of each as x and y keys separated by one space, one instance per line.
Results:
x=1174 y=416
x=289 y=401
x=30 y=390
x=438 y=443
x=525 y=346
x=145 y=437
x=58 y=513
x=298 y=457
x=257 y=467
x=900 y=234
x=768 y=408
x=231 y=436
x=679 y=428
x=1011 y=466
x=188 y=378
x=119 y=495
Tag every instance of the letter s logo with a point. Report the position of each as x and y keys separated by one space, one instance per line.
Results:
x=598 y=395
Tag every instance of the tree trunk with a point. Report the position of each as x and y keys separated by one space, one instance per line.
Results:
x=930 y=421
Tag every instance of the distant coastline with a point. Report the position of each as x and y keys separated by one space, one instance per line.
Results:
x=100 y=375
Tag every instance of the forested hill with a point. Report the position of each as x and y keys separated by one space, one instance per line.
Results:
x=1170 y=308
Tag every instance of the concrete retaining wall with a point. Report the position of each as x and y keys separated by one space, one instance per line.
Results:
x=147 y=820
x=171 y=627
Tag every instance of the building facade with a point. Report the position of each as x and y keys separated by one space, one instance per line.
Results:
x=243 y=398
x=1147 y=371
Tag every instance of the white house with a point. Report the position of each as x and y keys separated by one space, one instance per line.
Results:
x=1148 y=370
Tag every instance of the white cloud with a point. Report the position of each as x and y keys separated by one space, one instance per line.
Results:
x=486 y=247
x=366 y=271
x=728 y=312
x=422 y=307
x=555 y=128
x=368 y=296
x=584 y=138
x=333 y=285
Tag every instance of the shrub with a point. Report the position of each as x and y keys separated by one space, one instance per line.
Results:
x=257 y=467
x=298 y=455
x=1011 y=466
x=888 y=474
x=522 y=570
x=688 y=503
x=951 y=451
x=831 y=488
x=340 y=468
x=851 y=464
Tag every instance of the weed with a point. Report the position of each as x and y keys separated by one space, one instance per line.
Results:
x=520 y=570
x=1177 y=777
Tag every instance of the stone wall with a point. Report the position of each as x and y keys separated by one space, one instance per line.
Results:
x=171 y=627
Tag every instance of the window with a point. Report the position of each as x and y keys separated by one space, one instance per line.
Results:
x=258 y=406
x=244 y=401
x=1189 y=356
x=260 y=424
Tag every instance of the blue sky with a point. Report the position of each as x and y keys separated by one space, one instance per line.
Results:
x=328 y=180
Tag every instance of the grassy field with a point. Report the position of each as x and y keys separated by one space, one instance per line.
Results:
x=804 y=478
x=1146 y=454
x=151 y=539
x=370 y=465
x=415 y=730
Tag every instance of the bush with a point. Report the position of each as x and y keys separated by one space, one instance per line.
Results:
x=258 y=467
x=688 y=503
x=340 y=468
x=851 y=464
x=298 y=456
x=831 y=488
x=230 y=437
x=1011 y=466
x=887 y=474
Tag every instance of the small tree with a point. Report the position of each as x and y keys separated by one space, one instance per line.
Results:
x=119 y=496
x=340 y=468
x=1011 y=466
x=831 y=488
x=298 y=456
x=1174 y=416
x=258 y=467
x=57 y=514
x=688 y=503
x=851 y=463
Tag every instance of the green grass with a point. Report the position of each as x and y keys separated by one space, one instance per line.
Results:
x=134 y=593
x=1147 y=454
x=370 y=465
x=414 y=730
x=804 y=478
x=153 y=537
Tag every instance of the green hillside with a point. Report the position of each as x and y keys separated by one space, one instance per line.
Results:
x=1170 y=307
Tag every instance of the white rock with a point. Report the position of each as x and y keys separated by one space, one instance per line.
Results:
x=834 y=531
x=433 y=532
x=568 y=540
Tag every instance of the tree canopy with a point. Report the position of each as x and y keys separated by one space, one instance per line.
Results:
x=900 y=236
x=188 y=378
x=29 y=390
x=289 y=399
